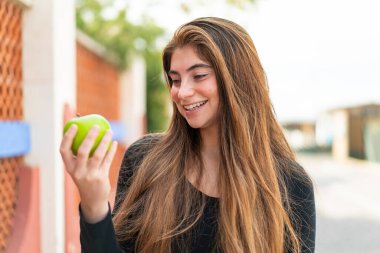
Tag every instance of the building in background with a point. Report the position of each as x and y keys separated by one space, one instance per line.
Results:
x=351 y=131
x=300 y=135
x=48 y=73
x=348 y=132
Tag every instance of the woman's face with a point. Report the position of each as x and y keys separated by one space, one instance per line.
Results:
x=194 y=88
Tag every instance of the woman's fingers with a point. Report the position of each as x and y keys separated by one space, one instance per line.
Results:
x=109 y=157
x=98 y=156
x=65 y=148
x=86 y=146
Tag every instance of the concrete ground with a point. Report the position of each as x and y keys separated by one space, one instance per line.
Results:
x=348 y=204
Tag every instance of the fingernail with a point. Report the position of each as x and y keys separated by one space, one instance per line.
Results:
x=95 y=128
x=107 y=134
x=73 y=127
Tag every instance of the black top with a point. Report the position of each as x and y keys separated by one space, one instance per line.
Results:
x=100 y=237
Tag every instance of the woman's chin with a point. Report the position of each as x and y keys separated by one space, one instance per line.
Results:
x=198 y=125
x=195 y=126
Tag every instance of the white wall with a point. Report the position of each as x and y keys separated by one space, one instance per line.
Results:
x=133 y=99
x=340 y=148
x=49 y=82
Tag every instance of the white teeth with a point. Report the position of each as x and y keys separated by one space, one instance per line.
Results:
x=194 y=106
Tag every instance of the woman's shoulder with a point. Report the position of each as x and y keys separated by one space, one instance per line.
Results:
x=138 y=149
x=146 y=141
x=133 y=157
x=300 y=204
x=298 y=183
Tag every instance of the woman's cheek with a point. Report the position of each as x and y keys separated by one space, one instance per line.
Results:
x=174 y=94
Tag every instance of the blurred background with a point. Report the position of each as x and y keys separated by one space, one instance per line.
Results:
x=63 y=58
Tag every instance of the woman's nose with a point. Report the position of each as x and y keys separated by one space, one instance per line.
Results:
x=186 y=90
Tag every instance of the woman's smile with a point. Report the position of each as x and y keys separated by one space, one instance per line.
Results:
x=194 y=106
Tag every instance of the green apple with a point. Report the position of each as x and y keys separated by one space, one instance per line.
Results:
x=84 y=124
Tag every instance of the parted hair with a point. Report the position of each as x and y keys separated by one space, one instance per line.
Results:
x=160 y=205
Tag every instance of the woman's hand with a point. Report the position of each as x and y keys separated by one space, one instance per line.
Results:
x=90 y=174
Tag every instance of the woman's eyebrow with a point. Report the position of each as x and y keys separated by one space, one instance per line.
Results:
x=198 y=65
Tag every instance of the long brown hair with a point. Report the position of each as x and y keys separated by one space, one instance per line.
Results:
x=160 y=204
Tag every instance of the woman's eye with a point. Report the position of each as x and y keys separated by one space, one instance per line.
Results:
x=198 y=77
x=176 y=82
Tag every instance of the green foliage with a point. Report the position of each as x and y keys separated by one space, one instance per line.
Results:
x=157 y=94
x=110 y=27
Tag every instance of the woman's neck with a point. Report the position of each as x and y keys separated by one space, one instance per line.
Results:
x=208 y=181
x=210 y=143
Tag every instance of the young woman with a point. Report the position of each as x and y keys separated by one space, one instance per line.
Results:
x=222 y=178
